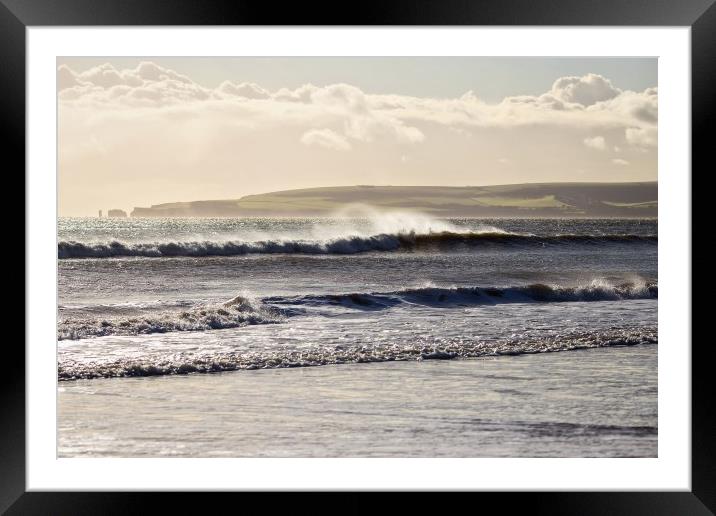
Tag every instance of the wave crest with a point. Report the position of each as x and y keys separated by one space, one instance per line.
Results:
x=353 y=244
x=236 y=313
x=467 y=296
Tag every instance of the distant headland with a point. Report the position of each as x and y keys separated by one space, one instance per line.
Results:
x=520 y=200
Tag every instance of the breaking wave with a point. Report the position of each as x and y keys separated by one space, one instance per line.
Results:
x=353 y=244
x=236 y=313
x=242 y=311
x=328 y=355
x=436 y=296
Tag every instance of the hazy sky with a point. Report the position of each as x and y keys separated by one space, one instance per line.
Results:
x=142 y=131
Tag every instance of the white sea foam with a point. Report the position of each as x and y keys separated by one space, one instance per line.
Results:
x=324 y=355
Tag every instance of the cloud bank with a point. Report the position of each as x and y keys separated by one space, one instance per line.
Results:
x=588 y=101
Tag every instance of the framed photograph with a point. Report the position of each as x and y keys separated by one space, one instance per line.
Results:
x=402 y=250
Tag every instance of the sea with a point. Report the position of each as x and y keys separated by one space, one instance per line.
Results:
x=391 y=334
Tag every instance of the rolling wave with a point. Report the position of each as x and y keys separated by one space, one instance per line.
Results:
x=242 y=311
x=177 y=364
x=352 y=244
x=466 y=296
x=233 y=314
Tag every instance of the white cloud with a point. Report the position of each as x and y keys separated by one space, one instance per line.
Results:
x=589 y=102
x=302 y=94
x=247 y=90
x=551 y=109
x=325 y=138
x=361 y=122
x=586 y=90
x=150 y=85
x=596 y=142
x=146 y=85
x=620 y=162
x=470 y=96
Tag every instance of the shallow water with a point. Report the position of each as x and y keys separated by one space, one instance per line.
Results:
x=589 y=403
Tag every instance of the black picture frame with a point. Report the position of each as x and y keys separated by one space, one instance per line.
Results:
x=16 y=15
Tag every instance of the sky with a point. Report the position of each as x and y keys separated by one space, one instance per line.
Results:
x=143 y=131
